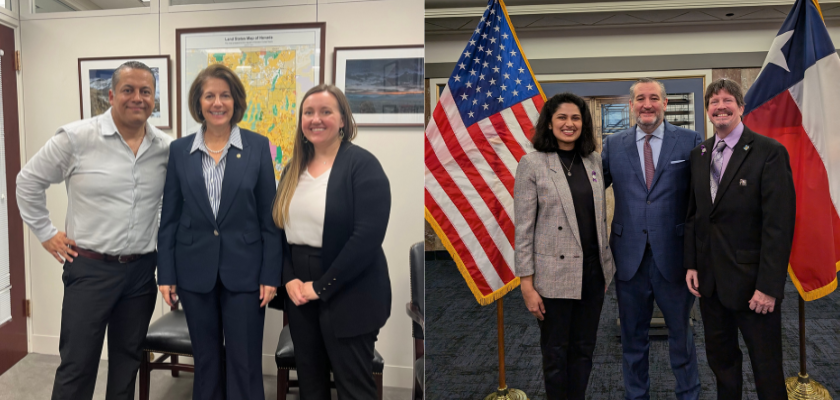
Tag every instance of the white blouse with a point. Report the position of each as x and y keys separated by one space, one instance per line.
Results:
x=306 y=210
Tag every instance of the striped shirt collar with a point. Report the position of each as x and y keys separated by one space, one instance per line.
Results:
x=235 y=140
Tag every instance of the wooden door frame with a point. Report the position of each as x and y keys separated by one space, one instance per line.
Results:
x=15 y=346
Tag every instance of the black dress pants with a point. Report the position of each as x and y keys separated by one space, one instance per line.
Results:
x=763 y=336
x=100 y=294
x=567 y=337
x=317 y=349
x=226 y=331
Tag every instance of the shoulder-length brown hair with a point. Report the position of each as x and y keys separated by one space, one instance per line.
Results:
x=543 y=138
x=303 y=151
x=237 y=91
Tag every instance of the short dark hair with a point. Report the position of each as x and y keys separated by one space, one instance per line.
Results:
x=543 y=138
x=237 y=91
x=115 y=78
x=664 y=94
x=730 y=86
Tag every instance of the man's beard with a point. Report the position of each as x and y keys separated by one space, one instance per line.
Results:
x=652 y=125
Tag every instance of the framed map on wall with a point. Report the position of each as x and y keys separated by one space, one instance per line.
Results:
x=95 y=82
x=277 y=65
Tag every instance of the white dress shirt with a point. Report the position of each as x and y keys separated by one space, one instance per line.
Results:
x=113 y=196
x=307 y=209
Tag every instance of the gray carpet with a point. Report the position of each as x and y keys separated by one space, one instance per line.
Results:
x=462 y=358
x=32 y=378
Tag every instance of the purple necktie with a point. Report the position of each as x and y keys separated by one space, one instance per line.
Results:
x=717 y=166
x=649 y=169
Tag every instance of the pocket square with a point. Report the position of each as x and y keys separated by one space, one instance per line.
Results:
x=677 y=161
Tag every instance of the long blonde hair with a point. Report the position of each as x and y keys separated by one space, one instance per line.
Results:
x=304 y=151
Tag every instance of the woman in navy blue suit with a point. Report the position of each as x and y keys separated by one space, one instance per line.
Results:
x=217 y=243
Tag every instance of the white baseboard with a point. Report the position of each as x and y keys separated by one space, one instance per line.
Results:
x=47 y=344
x=392 y=376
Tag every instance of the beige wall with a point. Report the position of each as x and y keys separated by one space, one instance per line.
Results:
x=50 y=50
x=629 y=41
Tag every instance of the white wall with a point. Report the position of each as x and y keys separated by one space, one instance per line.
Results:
x=50 y=50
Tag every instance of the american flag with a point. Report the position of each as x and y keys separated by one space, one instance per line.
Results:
x=479 y=130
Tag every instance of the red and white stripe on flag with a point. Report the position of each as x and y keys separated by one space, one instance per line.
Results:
x=478 y=132
x=804 y=117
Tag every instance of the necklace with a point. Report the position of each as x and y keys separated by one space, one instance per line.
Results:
x=213 y=151
x=569 y=169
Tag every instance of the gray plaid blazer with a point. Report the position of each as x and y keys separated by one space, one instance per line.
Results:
x=542 y=203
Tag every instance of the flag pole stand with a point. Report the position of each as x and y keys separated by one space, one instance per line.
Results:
x=802 y=387
x=503 y=392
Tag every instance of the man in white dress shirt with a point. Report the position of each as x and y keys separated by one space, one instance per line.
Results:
x=114 y=167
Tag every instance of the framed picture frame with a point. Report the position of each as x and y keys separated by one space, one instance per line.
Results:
x=277 y=64
x=95 y=82
x=384 y=84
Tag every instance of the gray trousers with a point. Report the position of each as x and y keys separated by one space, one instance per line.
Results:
x=98 y=295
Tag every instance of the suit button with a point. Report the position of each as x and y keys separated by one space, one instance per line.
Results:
x=644 y=231
x=648 y=202
x=559 y=228
x=562 y=256
x=216 y=233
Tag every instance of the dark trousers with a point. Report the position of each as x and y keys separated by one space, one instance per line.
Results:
x=635 y=308
x=99 y=295
x=567 y=337
x=226 y=331
x=317 y=349
x=763 y=335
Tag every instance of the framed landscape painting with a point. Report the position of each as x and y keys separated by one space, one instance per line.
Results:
x=95 y=82
x=384 y=85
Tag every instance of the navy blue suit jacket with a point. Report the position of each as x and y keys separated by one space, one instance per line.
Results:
x=241 y=245
x=655 y=216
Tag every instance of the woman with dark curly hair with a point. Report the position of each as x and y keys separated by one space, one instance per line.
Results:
x=562 y=253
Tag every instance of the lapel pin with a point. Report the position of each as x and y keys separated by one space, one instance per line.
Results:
x=702 y=150
x=594 y=177
x=238 y=155
x=743 y=182
x=746 y=147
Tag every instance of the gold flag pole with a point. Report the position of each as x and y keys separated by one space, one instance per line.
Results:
x=503 y=392
x=802 y=387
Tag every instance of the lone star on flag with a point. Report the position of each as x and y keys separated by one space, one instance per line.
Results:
x=775 y=55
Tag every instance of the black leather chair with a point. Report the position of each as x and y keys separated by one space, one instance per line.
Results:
x=416 y=309
x=168 y=335
x=285 y=359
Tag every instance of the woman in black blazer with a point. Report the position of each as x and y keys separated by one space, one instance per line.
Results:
x=333 y=202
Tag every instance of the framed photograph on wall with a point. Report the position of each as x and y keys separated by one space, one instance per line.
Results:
x=277 y=65
x=384 y=85
x=95 y=82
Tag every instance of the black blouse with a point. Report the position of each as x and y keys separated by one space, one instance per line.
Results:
x=584 y=203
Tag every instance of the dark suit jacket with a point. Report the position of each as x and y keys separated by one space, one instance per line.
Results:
x=355 y=288
x=656 y=215
x=742 y=242
x=242 y=245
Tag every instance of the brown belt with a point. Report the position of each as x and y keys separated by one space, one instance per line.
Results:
x=106 y=257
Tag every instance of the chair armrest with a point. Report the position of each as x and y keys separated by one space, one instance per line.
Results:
x=413 y=311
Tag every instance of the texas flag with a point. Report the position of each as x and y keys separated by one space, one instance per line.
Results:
x=796 y=100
